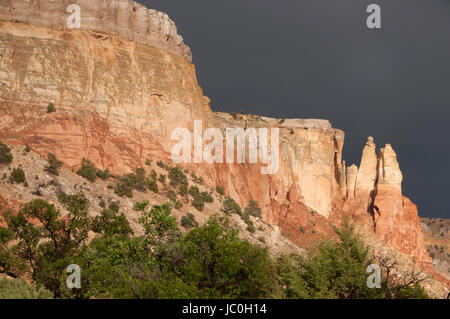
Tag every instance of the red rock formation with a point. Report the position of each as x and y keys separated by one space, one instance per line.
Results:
x=120 y=87
x=375 y=199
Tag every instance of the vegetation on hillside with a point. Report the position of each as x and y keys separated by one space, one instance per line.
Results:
x=209 y=261
x=202 y=261
x=5 y=154
x=53 y=165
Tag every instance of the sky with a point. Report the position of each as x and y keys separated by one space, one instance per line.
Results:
x=318 y=59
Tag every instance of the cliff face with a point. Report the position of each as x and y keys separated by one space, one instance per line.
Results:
x=124 y=81
x=124 y=18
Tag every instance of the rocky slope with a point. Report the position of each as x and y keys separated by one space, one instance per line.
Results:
x=124 y=81
x=41 y=184
x=437 y=242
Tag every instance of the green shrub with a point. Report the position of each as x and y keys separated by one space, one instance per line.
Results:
x=103 y=174
x=177 y=177
x=231 y=207
x=53 y=164
x=189 y=221
x=162 y=178
x=125 y=186
x=172 y=195
x=251 y=228
x=198 y=180
x=111 y=224
x=20 y=289
x=220 y=190
x=148 y=162
x=199 y=198
x=207 y=198
x=161 y=164
x=301 y=229
x=153 y=174
x=26 y=150
x=17 y=176
x=253 y=208
x=177 y=204
x=127 y=183
x=152 y=185
x=194 y=191
x=87 y=170
x=141 y=205
x=198 y=203
x=5 y=154
x=51 y=108
x=183 y=189
x=114 y=206
x=222 y=265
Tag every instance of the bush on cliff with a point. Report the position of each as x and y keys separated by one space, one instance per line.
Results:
x=87 y=170
x=231 y=207
x=51 y=108
x=5 y=154
x=17 y=176
x=53 y=164
x=220 y=190
x=189 y=221
x=177 y=177
x=253 y=209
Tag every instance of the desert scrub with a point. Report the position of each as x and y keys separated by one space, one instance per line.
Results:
x=183 y=189
x=189 y=221
x=51 y=108
x=17 y=176
x=177 y=177
x=251 y=228
x=53 y=164
x=90 y=172
x=196 y=179
x=161 y=164
x=220 y=190
x=26 y=150
x=198 y=203
x=87 y=170
x=231 y=207
x=141 y=205
x=253 y=209
x=207 y=198
x=200 y=198
x=5 y=154
x=127 y=183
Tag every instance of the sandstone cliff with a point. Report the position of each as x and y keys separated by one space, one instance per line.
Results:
x=124 y=81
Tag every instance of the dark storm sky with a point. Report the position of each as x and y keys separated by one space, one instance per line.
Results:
x=317 y=59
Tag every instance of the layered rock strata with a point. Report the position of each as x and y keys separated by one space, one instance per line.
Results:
x=124 y=81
